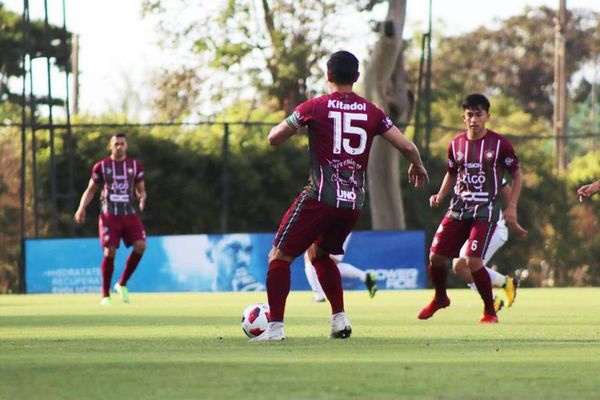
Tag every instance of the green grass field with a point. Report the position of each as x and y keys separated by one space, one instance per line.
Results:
x=190 y=346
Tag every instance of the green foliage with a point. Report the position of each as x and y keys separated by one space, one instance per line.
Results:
x=43 y=43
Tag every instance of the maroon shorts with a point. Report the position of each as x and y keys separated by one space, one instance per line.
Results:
x=309 y=221
x=113 y=228
x=452 y=234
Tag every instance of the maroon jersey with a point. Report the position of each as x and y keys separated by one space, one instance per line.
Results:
x=118 y=179
x=341 y=128
x=479 y=167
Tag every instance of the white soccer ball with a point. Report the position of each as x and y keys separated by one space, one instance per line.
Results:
x=255 y=319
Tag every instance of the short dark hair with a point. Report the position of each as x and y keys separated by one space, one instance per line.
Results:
x=476 y=100
x=343 y=67
x=119 y=135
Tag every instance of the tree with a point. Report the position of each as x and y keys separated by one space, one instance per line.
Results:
x=386 y=84
x=50 y=43
x=270 y=48
x=516 y=59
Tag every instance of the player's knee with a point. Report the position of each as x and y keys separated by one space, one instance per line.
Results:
x=110 y=252
x=139 y=246
x=458 y=265
x=276 y=254
x=438 y=261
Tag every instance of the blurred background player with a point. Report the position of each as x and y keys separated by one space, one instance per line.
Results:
x=341 y=129
x=498 y=280
x=477 y=161
x=121 y=178
x=346 y=271
x=588 y=190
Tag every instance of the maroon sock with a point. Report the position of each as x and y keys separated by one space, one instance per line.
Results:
x=484 y=287
x=331 y=282
x=132 y=262
x=278 y=288
x=439 y=276
x=108 y=266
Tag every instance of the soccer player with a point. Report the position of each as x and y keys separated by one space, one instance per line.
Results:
x=477 y=161
x=121 y=178
x=346 y=271
x=341 y=129
x=508 y=283
x=588 y=190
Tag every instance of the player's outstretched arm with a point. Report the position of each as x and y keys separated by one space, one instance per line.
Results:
x=280 y=133
x=417 y=173
x=588 y=190
x=87 y=196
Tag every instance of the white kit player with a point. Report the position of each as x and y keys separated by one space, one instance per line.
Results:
x=346 y=271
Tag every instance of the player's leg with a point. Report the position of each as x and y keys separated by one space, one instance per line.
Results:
x=479 y=238
x=446 y=244
x=108 y=230
x=298 y=229
x=351 y=272
x=331 y=241
x=133 y=234
x=313 y=280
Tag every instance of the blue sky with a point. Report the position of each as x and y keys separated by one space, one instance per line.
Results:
x=119 y=50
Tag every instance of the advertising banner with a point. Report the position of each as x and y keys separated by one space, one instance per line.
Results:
x=229 y=262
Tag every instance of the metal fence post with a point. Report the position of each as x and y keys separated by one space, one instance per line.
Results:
x=225 y=180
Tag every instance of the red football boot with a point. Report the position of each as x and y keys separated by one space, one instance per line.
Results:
x=489 y=319
x=432 y=307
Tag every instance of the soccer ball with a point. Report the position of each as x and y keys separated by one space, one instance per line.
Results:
x=255 y=319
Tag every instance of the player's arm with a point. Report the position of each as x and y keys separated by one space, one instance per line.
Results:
x=445 y=188
x=280 y=133
x=506 y=196
x=87 y=196
x=510 y=210
x=140 y=191
x=588 y=190
x=416 y=171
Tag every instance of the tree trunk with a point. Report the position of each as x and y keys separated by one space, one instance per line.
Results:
x=386 y=85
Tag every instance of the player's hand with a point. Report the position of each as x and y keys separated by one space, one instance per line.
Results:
x=517 y=229
x=80 y=215
x=434 y=201
x=588 y=190
x=510 y=216
x=417 y=175
x=142 y=203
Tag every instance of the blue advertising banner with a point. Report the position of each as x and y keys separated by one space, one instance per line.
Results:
x=230 y=262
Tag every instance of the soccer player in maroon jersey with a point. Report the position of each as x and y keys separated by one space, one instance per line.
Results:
x=477 y=160
x=121 y=178
x=588 y=190
x=341 y=129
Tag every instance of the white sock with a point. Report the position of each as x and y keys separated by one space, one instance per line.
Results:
x=350 y=271
x=498 y=280
x=313 y=281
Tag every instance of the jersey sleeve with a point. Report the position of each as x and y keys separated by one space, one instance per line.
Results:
x=451 y=166
x=508 y=158
x=139 y=175
x=301 y=115
x=384 y=122
x=97 y=175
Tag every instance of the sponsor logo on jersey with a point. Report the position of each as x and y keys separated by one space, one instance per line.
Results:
x=476 y=181
x=119 y=186
x=130 y=171
x=459 y=155
x=489 y=154
x=345 y=195
x=340 y=105
x=508 y=161
x=473 y=165
x=108 y=170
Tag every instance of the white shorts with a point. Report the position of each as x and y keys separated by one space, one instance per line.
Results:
x=499 y=237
